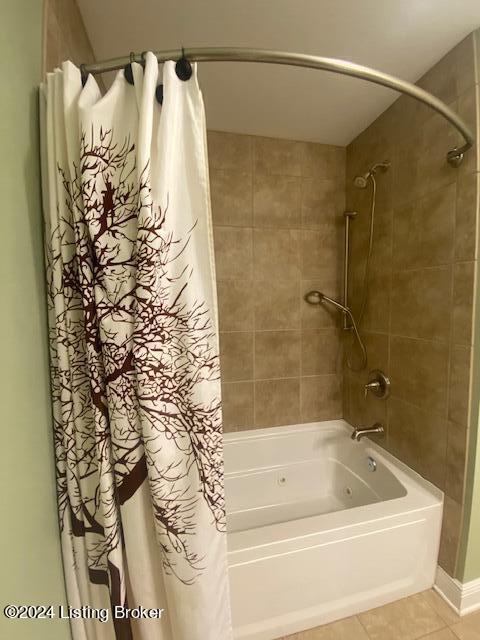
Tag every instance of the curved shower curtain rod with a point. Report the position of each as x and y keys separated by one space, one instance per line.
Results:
x=230 y=54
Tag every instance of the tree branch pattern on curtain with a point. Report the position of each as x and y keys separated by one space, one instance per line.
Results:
x=133 y=349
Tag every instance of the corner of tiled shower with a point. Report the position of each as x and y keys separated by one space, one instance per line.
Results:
x=277 y=207
x=419 y=320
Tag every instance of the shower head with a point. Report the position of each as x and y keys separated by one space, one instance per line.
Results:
x=313 y=297
x=361 y=181
x=317 y=297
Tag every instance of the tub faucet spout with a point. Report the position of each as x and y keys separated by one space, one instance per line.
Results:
x=358 y=434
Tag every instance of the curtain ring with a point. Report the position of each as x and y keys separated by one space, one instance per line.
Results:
x=183 y=68
x=127 y=70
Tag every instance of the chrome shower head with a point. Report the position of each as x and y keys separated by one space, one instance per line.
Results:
x=317 y=297
x=313 y=297
x=361 y=181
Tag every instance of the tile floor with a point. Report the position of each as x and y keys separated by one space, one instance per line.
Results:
x=424 y=615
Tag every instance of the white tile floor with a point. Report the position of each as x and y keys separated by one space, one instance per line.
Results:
x=422 y=616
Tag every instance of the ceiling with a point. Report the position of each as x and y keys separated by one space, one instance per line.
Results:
x=401 y=37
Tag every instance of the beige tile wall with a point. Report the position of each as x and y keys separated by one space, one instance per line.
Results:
x=418 y=322
x=277 y=209
x=64 y=35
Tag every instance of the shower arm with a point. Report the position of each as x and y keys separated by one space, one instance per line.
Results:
x=344 y=67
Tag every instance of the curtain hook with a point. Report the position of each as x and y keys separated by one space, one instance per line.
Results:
x=183 y=68
x=127 y=70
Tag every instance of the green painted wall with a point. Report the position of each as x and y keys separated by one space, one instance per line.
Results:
x=31 y=570
x=469 y=554
x=469 y=560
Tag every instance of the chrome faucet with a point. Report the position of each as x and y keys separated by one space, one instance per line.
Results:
x=358 y=434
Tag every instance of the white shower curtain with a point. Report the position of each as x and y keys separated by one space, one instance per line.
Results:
x=134 y=356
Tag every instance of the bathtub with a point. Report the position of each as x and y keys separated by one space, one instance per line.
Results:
x=321 y=527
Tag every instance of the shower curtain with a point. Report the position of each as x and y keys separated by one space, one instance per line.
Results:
x=134 y=357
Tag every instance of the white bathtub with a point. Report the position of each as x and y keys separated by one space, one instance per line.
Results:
x=314 y=535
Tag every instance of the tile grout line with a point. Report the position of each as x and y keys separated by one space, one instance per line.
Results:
x=371 y=332
x=357 y=616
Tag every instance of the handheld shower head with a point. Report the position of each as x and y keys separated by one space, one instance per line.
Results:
x=317 y=297
x=361 y=181
x=313 y=297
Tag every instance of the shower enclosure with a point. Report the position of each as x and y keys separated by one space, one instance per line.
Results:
x=421 y=255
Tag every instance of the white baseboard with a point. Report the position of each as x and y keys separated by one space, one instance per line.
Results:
x=462 y=597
